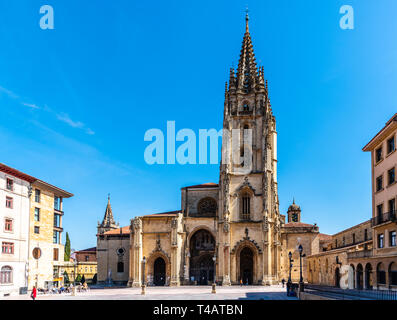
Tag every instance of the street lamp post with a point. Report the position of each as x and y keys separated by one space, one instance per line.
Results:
x=214 y=283
x=143 y=276
x=188 y=266
x=301 y=285
x=289 y=283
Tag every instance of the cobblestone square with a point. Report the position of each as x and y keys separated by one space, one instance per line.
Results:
x=173 y=293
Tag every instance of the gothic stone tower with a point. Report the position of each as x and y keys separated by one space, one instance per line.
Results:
x=249 y=245
x=108 y=222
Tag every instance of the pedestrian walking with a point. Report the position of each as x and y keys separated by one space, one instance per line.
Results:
x=283 y=282
x=241 y=282
x=34 y=293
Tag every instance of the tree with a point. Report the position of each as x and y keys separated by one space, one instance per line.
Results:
x=67 y=248
x=78 y=278
x=65 y=277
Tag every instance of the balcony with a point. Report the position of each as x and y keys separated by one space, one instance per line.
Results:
x=383 y=218
x=359 y=254
x=245 y=112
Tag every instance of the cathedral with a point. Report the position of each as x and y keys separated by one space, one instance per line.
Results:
x=229 y=232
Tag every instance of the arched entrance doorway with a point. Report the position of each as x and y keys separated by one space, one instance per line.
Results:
x=202 y=250
x=359 y=277
x=337 y=278
x=247 y=265
x=159 y=272
x=381 y=274
x=368 y=276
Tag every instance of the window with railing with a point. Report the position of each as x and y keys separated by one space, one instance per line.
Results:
x=390 y=145
x=392 y=239
x=8 y=225
x=378 y=154
x=380 y=240
x=379 y=183
x=57 y=203
x=379 y=211
x=391 y=176
x=55 y=238
x=9 y=202
x=37 y=214
x=37 y=195
x=392 y=205
x=7 y=248
x=10 y=184
x=57 y=221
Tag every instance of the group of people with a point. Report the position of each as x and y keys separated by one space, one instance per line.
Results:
x=62 y=289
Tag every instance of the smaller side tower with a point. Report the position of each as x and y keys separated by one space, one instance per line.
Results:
x=108 y=222
x=294 y=213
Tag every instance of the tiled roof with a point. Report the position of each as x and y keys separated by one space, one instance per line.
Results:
x=298 y=225
x=163 y=214
x=370 y=144
x=204 y=185
x=124 y=230
x=87 y=250
x=325 y=237
x=16 y=173
x=28 y=178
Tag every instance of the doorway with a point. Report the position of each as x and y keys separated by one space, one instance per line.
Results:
x=246 y=266
x=159 y=272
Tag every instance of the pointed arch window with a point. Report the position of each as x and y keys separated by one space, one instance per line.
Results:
x=245 y=211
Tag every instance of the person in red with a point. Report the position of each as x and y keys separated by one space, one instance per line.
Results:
x=34 y=293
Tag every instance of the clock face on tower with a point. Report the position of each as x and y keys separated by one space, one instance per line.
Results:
x=295 y=217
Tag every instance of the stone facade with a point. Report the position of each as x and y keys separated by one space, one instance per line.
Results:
x=45 y=248
x=229 y=232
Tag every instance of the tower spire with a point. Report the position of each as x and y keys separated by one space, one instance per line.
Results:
x=247 y=18
x=247 y=71
x=108 y=220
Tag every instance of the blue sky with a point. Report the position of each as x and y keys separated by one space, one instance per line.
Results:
x=76 y=101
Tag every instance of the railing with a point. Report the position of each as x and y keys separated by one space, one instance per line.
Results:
x=353 y=243
x=359 y=254
x=352 y=294
x=243 y=112
x=385 y=217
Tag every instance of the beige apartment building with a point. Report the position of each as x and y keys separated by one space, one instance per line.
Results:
x=365 y=256
x=46 y=252
x=384 y=193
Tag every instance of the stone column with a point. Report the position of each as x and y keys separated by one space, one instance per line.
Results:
x=137 y=254
x=131 y=262
x=174 y=253
x=226 y=254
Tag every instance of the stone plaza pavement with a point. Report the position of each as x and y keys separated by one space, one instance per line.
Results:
x=173 y=293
